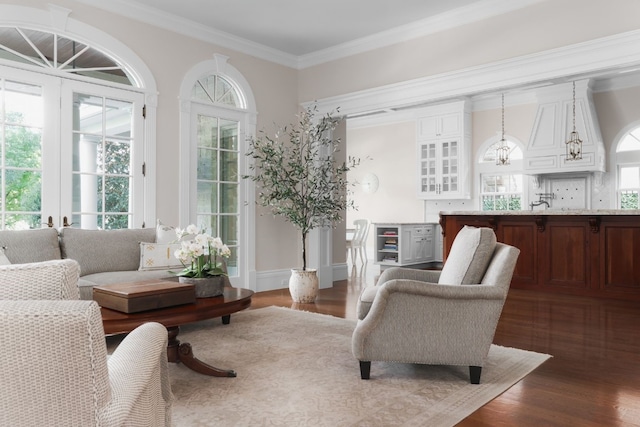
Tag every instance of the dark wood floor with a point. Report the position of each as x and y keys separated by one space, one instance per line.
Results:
x=593 y=378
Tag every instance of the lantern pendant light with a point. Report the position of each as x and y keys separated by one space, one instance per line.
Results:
x=574 y=144
x=502 y=149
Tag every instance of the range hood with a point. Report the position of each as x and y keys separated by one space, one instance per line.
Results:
x=546 y=150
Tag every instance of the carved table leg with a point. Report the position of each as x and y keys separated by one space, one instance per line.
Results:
x=177 y=352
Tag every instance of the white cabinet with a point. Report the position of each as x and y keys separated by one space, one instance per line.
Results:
x=438 y=254
x=444 y=151
x=404 y=244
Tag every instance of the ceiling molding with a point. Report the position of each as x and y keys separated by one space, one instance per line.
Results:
x=186 y=27
x=620 y=51
x=444 y=21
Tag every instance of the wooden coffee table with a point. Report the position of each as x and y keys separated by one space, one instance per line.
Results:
x=232 y=301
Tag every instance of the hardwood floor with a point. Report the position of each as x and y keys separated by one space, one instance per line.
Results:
x=593 y=378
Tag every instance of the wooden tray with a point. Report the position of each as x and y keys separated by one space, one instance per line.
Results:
x=133 y=297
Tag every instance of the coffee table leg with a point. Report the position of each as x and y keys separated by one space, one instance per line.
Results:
x=181 y=352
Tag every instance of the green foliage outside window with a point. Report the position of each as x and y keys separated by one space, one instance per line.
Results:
x=629 y=200
x=22 y=176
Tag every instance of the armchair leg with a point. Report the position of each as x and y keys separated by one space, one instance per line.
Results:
x=365 y=370
x=474 y=374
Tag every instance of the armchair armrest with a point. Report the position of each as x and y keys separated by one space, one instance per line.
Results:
x=392 y=273
x=138 y=375
x=46 y=280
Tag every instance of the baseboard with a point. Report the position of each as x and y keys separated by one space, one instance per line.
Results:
x=279 y=279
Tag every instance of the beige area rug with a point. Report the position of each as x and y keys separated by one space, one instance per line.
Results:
x=296 y=369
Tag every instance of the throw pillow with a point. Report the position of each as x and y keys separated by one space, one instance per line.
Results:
x=3 y=258
x=165 y=233
x=158 y=256
x=469 y=257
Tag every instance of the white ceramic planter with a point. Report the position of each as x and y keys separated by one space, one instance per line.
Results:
x=303 y=285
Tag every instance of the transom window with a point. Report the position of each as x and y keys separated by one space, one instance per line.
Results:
x=628 y=161
x=54 y=52
x=501 y=186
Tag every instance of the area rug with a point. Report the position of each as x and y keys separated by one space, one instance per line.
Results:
x=295 y=368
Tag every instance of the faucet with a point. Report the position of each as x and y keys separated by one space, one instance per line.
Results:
x=538 y=203
x=541 y=200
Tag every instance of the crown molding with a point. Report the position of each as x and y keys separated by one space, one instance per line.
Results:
x=444 y=21
x=166 y=21
x=552 y=66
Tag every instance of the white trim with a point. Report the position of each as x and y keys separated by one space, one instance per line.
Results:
x=56 y=19
x=475 y=12
x=444 y=21
x=568 y=62
x=248 y=117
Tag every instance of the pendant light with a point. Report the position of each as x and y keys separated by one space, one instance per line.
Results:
x=574 y=144
x=502 y=149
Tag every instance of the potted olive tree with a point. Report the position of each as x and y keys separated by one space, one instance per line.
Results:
x=298 y=177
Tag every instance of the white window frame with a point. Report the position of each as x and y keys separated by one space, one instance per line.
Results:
x=56 y=19
x=247 y=117
x=623 y=159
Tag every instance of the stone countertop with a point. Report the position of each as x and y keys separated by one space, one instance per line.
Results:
x=581 y=212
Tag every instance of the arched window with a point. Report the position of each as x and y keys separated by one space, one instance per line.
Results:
x=628 y=168
x=501 y=186
x=71 y=125
x=217 y=115
x=52 y=51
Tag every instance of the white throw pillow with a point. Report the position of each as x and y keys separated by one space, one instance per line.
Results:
x=158 y=256
x=165 y=233
x=469 y=257
x=3 y=258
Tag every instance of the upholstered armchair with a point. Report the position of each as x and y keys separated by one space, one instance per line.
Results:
x=55 y=370
x=48 y=280
x=433 y=317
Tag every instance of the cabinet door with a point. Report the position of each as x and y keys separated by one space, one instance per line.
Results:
x=429 y=168
x=440 y=125
x=450 y=124
x=449 y=165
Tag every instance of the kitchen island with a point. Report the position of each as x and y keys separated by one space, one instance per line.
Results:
x=579 y=252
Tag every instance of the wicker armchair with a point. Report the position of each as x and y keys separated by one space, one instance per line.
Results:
x=55 y=370
x=433 y=317
x=48 y=280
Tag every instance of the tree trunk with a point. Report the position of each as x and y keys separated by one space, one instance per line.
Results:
x=304 y=251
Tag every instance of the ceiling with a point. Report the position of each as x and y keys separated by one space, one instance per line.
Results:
x=287 y=31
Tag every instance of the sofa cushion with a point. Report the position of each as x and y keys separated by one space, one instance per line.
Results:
x=26 y=246
x=104 y=250
x=469 y=256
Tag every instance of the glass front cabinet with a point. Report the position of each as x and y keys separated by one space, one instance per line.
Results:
x=444 y=151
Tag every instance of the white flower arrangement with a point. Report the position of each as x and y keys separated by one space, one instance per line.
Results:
x=200 y=254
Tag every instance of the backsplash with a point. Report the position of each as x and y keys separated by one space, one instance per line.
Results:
x=569 y=193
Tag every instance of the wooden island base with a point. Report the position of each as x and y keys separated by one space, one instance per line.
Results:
x=587 y=253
